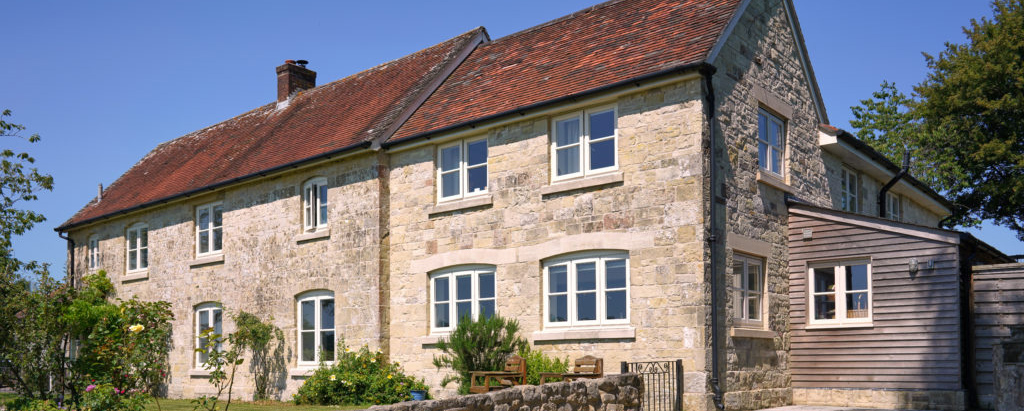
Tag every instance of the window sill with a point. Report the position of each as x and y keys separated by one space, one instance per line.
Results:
x=301 y=372
x=313 y=235
x=199 y=373
x=135 y=276
x=430 y=339
x=477 y=201
x=828 y=326
x=751 y=333
x=773 y=180
x=210 y=259
x=582 y=183
x=610 y=333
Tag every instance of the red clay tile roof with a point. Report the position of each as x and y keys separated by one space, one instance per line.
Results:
x=329 y=118
x=606 y=44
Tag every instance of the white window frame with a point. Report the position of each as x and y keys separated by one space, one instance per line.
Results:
x=140 y=250
x=93 y=254
x=462 y=170
x=743 y=293
x=840 y=292
x=599 y=258
x=315 y=199
x=893 y=209
x=762 y=139
x=316 y=297
x=207 y=310
x=849 y=189
x=584 y=142
x=211 y=229
x=451 y=274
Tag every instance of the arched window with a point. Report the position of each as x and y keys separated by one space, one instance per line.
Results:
x=137 y=238
x=587 y=289
x=458 y=293
x=209 y=316
x=314 y=204
x=316 y=342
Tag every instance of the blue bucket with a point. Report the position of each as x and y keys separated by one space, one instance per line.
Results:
x=418 y=395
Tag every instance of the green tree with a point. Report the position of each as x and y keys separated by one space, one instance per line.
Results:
x=265 y=344
x=972 y=111
x=481 y=345
x=19 y=182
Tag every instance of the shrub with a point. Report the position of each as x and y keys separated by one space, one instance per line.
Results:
x=27 y=404
x=265 y=343
x=107 y=397
x=537 y=362
x=481 y=345
x=358 y=378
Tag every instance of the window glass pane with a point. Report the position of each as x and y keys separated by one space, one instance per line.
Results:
x=308 y=345
x=323 y=193
x=568 y=160
x=463 y=287
x=477 y=152
x=762 y=126
x=824 y=280
x=204 y=242
x=615 y=305
x=487 y=308
x=754 y=308
x=762 y=155
x=615 y=273
x=857 y=305
x=776 y=161
x=558 y=279
x=144 y=238
x=132 y=263
x=144 y=258
x=323 y=214
x=586 y=307
x=216 y=239
x=327 y=314
x=204 y=320
x=217 y=322
x=450 y=184
x=486 y=281
x=754 y=278
x=776 y=134
x=824 y=307
x=308 y=315
x=567 y=132
x=738 y=274
x=558 y=308
x=441 y=319
x=204 y=218
x=602 y=124
x=450 y=158
x=602 y=154
x=218 y=214
x=441 y=289
x=857 y=277
x=477 y=179
x=586 y=276
x=464 y=310
x=133 y=239
x=327 y=345
x=203 y=356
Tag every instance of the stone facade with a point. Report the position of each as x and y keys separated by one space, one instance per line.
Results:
x=877 y=398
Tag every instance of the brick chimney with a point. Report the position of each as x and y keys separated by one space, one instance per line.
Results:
x=293 y=77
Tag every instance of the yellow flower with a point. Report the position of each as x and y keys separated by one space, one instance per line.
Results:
x=389 y=376
x=348 y=349
x=333 y=377
x=136 y=328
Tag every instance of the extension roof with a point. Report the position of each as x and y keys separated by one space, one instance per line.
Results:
x=606 y=45
x=332 y=118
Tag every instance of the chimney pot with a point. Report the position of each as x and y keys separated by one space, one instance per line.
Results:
x=293 y=78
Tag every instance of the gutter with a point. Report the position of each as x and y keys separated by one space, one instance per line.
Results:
x=214 y=186
x=714 y=240
x=885 y=189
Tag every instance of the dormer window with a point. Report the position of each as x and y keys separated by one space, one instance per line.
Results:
x=314 y=204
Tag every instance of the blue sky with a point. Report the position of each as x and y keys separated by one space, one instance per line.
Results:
x=104 y=82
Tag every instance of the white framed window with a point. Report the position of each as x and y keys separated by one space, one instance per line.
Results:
x=209 y=316
x=587 y=289
x=94 y=252
x=458 y=293
x=748 y=290
x=462 y=169
x=771 y=142
x=840 y=293
x=584 y=143
x=893 y=205
x=316 y=340
x=209 y=228
x=848 y=190
x=137 y=244
x=314 y=204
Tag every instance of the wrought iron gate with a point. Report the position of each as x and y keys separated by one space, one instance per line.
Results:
x=663 y=384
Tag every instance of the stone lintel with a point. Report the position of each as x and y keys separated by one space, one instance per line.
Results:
x=581 y=183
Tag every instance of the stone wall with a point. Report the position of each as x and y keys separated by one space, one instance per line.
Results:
x=613 y=393
x=868 y=398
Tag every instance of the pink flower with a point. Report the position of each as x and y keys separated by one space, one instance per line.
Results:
x=90 y=388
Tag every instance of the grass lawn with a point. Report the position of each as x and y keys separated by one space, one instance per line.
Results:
x=185 y=405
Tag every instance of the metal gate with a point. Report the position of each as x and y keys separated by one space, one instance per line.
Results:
x=663 y=384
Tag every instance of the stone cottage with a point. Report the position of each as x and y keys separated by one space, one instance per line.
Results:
x=625 y=181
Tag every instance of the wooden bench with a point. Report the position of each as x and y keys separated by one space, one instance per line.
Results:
x=585 y=367
x=514 y=373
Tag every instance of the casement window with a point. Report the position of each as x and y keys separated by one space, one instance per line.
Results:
x=209 y=316
x=462 y=169
x=94 y=252
x=748 y=290
x=314 y=204
x=459 y=294
x=840 y=293
x=771 y=140
x=137 y=244
x=893 y=206
x=209 y=226
x=848 y=190
x=316 y=328
x=587 y=289
x=584 y=143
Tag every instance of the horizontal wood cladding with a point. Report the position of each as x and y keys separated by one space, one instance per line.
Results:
x=998 y=293
x=913 y=341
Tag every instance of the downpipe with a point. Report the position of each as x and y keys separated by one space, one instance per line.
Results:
x=707 y=71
